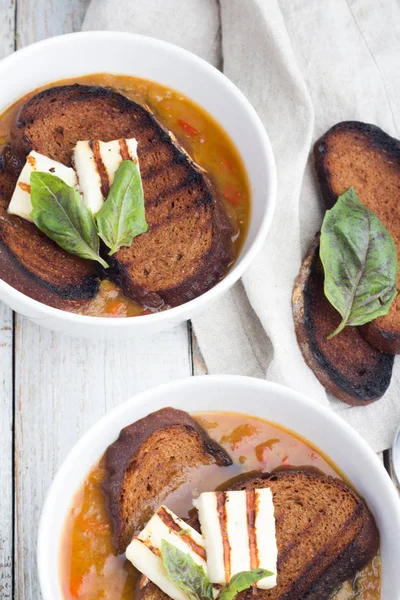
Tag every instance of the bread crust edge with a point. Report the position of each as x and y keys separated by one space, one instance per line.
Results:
x=120 y=455
x=325 y=377
x=383 y=340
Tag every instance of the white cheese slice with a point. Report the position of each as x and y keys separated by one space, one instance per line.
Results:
x=20 y=203
x=144 y=552
x=96 y=163
x=239 y=534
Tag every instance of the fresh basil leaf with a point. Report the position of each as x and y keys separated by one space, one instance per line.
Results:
x=59 y=212
x=185 y=573
x=242 y=581
x=122 y=216
x=360 y=262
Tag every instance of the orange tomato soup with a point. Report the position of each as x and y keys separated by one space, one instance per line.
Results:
x=201 y=136
x=89 y=566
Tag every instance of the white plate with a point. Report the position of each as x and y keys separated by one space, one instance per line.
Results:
x=83 y=53
x=270 y=401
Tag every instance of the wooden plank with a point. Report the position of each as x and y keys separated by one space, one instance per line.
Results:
x=7 y=35
x=7 y=27
x=39 y=19
x=64 y=385
x=6 y=453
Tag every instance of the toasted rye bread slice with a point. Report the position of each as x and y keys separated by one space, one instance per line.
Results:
x=346 y=365
x=32 y=263
x=151 y=459
x=325 y=534
x=188 y=247
x=361 y=155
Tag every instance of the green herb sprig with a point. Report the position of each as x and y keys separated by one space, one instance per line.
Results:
x=122 y=217
x=191 y=578
x=58 y=211
x=359 y=257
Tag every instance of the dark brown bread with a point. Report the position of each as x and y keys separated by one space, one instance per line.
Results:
x=188 y=247
x=325 y=534
x=346 y=365
x=151 y=459
x=361 y=155
x=32 y=263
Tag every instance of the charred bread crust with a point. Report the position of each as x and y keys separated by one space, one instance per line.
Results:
x=63 y=96
x=51 y=275
x=53 y=98
x=354 y=558
x=377 y=138
x=371 y=375
x=212 y=270
x=163 y=267
x=73 y=297
x=384 y=341
x=375 y=332
x=122 y=453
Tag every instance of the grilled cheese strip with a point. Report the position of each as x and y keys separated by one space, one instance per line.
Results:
x=144 y=552
x=96 y=163
x=239 y=534
x=20 y=203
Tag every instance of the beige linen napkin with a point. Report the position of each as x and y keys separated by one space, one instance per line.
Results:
x=304 y=65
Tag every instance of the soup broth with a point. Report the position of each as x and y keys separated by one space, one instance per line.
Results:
x=89 y=565
x=199 y=134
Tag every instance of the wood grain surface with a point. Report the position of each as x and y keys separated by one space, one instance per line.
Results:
x=7 y=45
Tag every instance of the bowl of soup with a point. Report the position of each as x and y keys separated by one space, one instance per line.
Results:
x=207 y=171
x=263 y=427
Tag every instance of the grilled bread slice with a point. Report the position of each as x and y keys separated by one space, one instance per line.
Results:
x=361 y=155
x=32 y=263
x=151 y=459
x=346 y=365
x=325 y=534
x=188 y=247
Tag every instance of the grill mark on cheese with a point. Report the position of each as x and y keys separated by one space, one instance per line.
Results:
x=166 y=518
x=25 y=187
x=223 y=524
x=124 y=150
x=252 y=502
x=32 y=161
x=94 y=145
x=148 y=545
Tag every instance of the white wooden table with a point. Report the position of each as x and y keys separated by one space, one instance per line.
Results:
x=52 y=388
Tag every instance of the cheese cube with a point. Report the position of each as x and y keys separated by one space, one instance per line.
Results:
x=96 y=163
x=239 y=534
x=144 y=552
x=20 y=203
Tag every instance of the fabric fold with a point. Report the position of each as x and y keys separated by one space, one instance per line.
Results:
x=304 y=65
x=191 y=24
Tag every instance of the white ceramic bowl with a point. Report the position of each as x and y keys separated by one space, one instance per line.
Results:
x=123 y=53
x=283 y=406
